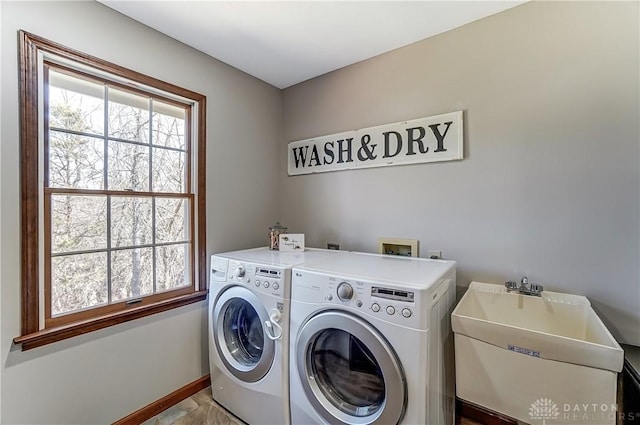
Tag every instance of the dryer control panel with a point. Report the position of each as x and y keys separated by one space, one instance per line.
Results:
x=388 y=302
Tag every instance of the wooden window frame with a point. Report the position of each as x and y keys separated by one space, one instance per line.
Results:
x=33 y=331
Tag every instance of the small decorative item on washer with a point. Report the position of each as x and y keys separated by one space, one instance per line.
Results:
x=291 y=242
x=274 y=233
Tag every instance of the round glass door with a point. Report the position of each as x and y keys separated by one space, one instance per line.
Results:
x=238 y=318
x=346 y=372
x=243 y=333
x=349 y=371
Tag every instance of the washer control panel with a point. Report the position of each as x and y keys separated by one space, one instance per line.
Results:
x=267 y=279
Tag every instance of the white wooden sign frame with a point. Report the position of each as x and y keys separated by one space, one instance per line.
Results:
x=430 y=139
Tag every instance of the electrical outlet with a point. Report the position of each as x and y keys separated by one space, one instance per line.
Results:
x=434 y=255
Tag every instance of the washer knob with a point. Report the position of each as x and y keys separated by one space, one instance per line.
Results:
x=406 y=312
x=275 y=286
x=345 y=291
x=391 y=310
x=240 y=271
x=375 y=307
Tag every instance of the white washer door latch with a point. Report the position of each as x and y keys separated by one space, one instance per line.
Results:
x=272 y=326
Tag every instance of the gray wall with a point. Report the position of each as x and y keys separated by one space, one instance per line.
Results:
x=549 y=186
x=101 y=377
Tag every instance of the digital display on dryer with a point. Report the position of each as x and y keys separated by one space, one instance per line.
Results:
x=263 y=271
x=392 y=294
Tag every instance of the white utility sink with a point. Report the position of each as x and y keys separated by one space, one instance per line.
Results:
x=514 y=350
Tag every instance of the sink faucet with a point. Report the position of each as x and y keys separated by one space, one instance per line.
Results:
x=525 y=287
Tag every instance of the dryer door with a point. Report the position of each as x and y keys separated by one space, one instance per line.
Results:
x=349 y=371
x=238 y=317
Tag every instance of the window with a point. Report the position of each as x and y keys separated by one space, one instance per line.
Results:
x=112 y=194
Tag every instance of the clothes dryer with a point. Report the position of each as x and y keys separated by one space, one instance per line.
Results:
x=249 y=296
x=371 y=341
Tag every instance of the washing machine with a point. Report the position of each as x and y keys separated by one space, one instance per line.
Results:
x=249 y=296
x=371 y=341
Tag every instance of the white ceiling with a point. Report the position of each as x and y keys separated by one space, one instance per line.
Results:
x=287 y=42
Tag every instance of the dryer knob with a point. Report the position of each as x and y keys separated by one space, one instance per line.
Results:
x=240 y=271
x=345 y=291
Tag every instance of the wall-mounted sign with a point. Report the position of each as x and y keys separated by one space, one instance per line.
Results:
x=431 y=139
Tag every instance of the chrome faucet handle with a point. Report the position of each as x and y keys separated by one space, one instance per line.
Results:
x=536 y=288
x=525 y=287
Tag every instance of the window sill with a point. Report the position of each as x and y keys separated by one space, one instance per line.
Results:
x=51 y=335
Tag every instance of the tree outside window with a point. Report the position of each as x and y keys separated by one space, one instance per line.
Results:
x=122 y=184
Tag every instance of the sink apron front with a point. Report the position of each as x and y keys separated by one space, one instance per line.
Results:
x=533 y=389
x=541 y=360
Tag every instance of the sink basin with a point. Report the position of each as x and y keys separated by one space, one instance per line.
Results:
x=553 y=326
x=513 y=350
